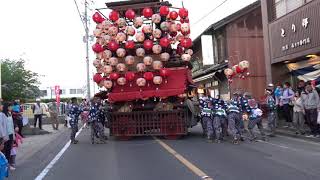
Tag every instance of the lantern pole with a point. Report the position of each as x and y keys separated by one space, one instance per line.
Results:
x=87 y=49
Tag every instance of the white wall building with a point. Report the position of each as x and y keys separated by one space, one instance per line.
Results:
x=66 y=92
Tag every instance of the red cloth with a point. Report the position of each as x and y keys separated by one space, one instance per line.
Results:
x=176 y=84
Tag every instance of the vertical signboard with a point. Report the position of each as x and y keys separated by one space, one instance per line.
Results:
x=207 y=50
x=57 y=92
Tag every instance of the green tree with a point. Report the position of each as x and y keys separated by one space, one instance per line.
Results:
x=18 y=82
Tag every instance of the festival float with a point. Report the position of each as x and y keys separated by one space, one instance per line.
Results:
x=142 y=60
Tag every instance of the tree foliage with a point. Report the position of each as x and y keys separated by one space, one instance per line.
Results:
x=18 y=82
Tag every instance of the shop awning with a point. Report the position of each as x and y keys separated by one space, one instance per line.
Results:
x=308 y=70
x=202 y=78
x=176 y=84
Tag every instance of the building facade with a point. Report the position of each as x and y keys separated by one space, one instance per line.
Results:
x=65 y=92
x=292 y=40
x=235 y=38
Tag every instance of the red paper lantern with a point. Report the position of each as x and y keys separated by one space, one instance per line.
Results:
x=179 y=49
x=147 y=12
x=114 y=15
x=185 y=33
x=173 y=15
x=179 y=27
x=113 y=46
x=148 y=44
x=129 y=76
x=130 y=14
x=114 y=76
x=148 y=76
x=97 y=18
x=97 y=48
x=183 y=13
x=186 y=20
x=164 y=42
x=97 y=78
x=130 y=44
x=164 y=10
x=236 y=69
x=186 y=42
x=164 y=72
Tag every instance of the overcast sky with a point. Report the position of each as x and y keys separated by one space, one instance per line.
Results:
x=48 y=34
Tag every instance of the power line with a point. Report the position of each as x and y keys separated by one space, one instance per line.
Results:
x=206 y=15
x=75 y=2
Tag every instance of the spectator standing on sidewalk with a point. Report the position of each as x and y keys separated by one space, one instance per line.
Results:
x=301 y=86
x=17 y=115
x=298 y=113
x=311 y=104
x=54 y=111
x=7 y=108
x=286 y=101
x=3 y=124
x=38 y=112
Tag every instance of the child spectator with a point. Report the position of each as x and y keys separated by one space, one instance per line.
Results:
x=14 y=149
x=4 y=171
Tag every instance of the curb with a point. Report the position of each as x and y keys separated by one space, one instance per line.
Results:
x=293 y=135
x=33 y=131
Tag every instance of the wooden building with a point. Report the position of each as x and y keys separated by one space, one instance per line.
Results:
x=235 y=38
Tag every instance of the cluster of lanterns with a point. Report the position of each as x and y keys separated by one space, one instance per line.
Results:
x=126 y=47
x=241 y=70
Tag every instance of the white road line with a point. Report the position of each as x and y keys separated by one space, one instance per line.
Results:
x=45 y=171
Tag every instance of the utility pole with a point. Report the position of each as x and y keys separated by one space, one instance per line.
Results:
x=87 y=48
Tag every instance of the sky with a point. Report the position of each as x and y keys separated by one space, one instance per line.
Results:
x=48 y=34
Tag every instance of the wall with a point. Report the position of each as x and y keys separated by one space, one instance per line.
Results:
x=245 y=42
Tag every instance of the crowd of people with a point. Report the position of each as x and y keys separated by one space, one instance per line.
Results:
x=242 y=112
x=92 y=113
x=10 y=135
x=299 y=107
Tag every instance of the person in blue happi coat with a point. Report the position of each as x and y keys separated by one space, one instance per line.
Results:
x=74 y=113
x=234 y=119
x=205 y=103
x=272 y=110
x=255 y=119
x=96 y=120
x=219 y=119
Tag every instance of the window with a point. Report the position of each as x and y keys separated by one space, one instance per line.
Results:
x=283 y=7
x=79 y=91
x=44 y=93
x=63 y=91
x=73 y=91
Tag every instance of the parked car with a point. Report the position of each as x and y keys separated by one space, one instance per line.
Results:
x=27 y=110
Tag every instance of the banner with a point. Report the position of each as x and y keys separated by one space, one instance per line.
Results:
x=57 y=92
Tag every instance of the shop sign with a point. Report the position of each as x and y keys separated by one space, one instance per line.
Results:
x=293 y=34
x=295 y=44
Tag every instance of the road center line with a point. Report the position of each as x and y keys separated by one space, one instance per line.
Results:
x=45 y=171
x=184 y=161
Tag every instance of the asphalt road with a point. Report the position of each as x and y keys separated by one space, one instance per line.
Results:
x=281 y=158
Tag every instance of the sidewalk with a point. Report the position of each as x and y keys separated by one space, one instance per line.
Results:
x=34 y=143
x=291 y=132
